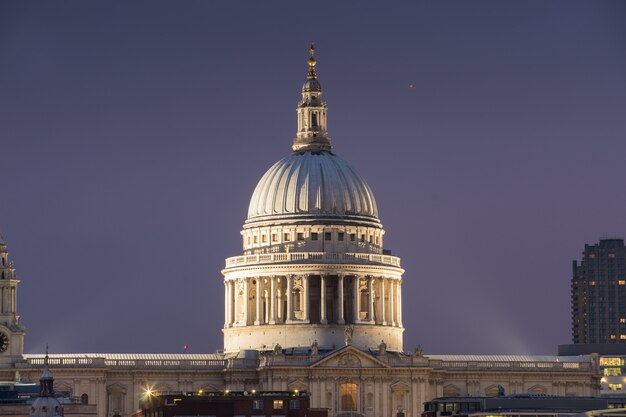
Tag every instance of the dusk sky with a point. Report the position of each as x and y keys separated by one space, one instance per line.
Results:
x=132 y=135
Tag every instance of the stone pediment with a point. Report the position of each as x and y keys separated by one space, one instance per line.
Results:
x=349 y=357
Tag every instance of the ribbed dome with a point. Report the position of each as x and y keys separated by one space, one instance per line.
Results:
x=312 y=183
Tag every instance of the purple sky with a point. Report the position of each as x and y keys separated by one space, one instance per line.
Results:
x=132 y=135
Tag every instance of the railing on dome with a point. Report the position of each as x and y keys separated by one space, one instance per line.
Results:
x=326 y=257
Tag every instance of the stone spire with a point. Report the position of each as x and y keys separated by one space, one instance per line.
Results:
x=312 y=134
x=46 y=382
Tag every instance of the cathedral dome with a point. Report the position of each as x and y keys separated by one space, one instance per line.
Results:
x=312 y=184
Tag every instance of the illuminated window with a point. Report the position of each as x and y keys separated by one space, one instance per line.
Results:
x=263 y=238
x=592 y=283
x=340 y=236
x=347 y=394
x=313 y=236
x=615 y=387
x=274 y=237
x=256 y=239
x=287 y=237
x=622 y=336
x=613 y=337
x=621 y=282
x=622 y=320
x=611 y=255
x=278 y=404
x=612 y=371
x=327 y=236
x=611 y=362
x=257 y=404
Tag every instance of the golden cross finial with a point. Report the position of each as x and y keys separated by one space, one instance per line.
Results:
x=312 y=63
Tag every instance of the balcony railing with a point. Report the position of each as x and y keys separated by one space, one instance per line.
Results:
x=312 y=257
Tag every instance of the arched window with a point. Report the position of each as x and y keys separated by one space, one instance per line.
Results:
x=84 y=399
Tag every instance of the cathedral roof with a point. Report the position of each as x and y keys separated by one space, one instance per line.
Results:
x=315 y=184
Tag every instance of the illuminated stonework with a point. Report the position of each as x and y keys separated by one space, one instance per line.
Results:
x=313 y=265
x=313 y=303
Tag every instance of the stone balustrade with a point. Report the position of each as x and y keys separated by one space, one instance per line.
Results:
x=313 y=257
x=119 y=363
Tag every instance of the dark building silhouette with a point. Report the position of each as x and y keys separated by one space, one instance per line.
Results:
x=599 y=294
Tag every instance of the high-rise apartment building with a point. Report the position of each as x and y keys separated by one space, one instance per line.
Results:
x=599 y=294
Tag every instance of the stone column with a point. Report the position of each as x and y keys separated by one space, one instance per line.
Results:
x=370 y=307
x=399 y=295
x=323 y=319
x=279 y=305
x=226 y=291
x=231 y=304
x=382 y=301
x=356 y=299
x=245 y=301
x=289 y=317
x=340 y=312
x=272 y=305
x=266 y=301
x=306 y=298
x=257 y=316
x=392 y=318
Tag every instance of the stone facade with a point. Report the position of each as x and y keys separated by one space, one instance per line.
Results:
x=314 y=303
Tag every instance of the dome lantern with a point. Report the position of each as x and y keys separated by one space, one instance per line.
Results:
x=312 y=132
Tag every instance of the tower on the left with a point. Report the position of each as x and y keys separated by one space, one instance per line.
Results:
x=11 y=333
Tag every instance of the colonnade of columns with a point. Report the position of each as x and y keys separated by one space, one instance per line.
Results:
x=313 y=298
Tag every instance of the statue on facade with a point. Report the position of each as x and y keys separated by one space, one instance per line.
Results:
x=382 y=348
x=419 y=351
x=347 y=334
x=314 y=349
x=278 y=349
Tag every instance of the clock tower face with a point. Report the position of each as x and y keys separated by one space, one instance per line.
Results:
x=4 y=342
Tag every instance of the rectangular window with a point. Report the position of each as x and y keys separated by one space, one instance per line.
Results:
x=622 y=319
x=613 y=337
x=278 y=404
x=612 y=371
x=300 y=236
x=622 y=336
x=294 y=404
x=362 y=238
x=287 y=237
x=327 y=236
x=313 y=236
x=371 y=238
x=264 y=238
x=274 y=237
x=340 y=236
x=615 y=387
x=352 y=237
x=257 y=404
x=256 y=239
x=377 y=240
x=621 y=282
